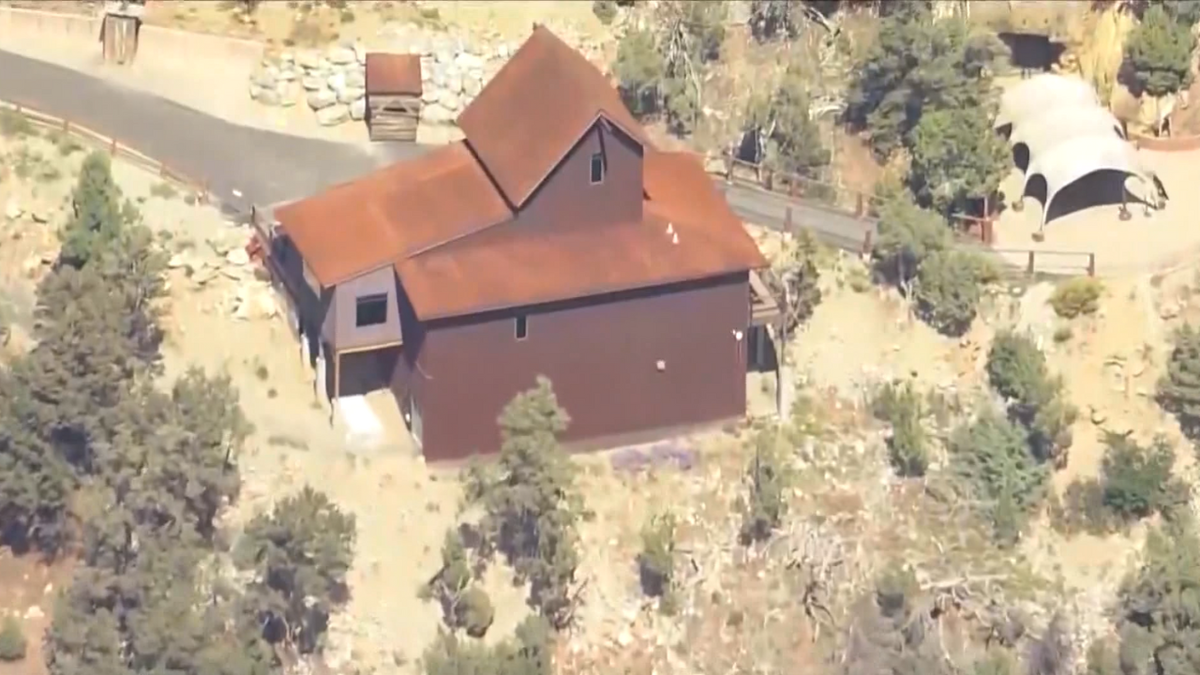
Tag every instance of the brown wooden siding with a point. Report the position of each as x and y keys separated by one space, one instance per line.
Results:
x=568 y=199
x=601 y=356
x=347 y=335
x=316 y=312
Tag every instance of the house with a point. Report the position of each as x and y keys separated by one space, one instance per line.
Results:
x=554 y=240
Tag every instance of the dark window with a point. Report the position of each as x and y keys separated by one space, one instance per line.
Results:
x=371 y=310
x=597 y=168
x=522 y=327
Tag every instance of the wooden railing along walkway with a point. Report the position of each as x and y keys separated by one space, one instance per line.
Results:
x=115 y=147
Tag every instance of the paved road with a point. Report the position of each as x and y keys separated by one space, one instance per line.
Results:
x=266 y=167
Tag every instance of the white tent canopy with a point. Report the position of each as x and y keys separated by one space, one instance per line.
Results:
x=1067 y=138
x=1077 y=158
x=1042 y=134
x=1035 y=96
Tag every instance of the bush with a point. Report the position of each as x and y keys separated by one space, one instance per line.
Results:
x=768 y=477
x=1139 y=481
x=948 y=291
x=1080 y=295
x=1179 y=388
x=991 y=458
x=1016 y=368
x=656 y=562
x=902 y=407
x=12 y=641
x=605 y=10
x=474 y=612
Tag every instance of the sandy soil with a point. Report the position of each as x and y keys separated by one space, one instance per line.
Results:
x=27 y=590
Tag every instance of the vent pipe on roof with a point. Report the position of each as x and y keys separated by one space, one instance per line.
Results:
x=675 y=239
x=670 y=228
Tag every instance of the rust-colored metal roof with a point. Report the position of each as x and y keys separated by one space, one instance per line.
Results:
x=396 y=211
x=393 y=74
x=688 y=232
x=536 y=109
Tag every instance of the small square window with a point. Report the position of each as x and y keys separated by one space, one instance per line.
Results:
x=597 y=168
x=371 y=310
x=522 y=327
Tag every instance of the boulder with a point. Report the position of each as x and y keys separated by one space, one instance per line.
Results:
x=358 y=109
x=287 y=58
x=337 y=81
x=286 y=75
x=333 y=114
x=449 y=100
x=356 y=78
x=269 y=97
x=467 y=60
x=312 y=83
x=430 y=95
x=237 y=256
x=255 y=91
x=443 y=53
x=341 y=55
x=308 y=59
x=320 y=99
x=472 y=86
x=454 y=84
x=436 y=113
x=350 y=95
x=360 y=53
x=265 y=79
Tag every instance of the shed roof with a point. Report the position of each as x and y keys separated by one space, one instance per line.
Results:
x=509 y=268
x=358 y=226
x=535 y=109
x=1033 y=96
x=393 y=74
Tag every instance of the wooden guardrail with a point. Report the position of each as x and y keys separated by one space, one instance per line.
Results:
x=114 y=147
x=796 y=186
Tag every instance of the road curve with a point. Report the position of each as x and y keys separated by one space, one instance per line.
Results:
x=266 y=167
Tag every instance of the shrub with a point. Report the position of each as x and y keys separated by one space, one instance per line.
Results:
x=1179 y=388
x=1016 y=368
x=12 y=641
x=1139 y=481
x=656 y=562
x=991 y=458
x=766 y=504
x=902 y=407
x=605 y=10
x=948 y=291
x=13 y=123
x=1077 y=296
x=474 y=612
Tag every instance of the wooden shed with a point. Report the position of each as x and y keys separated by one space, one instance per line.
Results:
x=119 y=30
x=393 y=96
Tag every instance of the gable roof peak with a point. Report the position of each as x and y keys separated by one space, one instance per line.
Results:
x=536 y=109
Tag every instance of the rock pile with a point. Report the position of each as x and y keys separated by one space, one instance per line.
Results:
x=332 y=82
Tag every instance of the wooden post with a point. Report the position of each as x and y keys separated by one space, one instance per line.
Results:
x=1091 y=265
x=1029 y=265
x=859 y=211
x=760 y=346
x=868 y=244
x=112 y=148
x=787 y=219
x=66 y=126
x=337 y=375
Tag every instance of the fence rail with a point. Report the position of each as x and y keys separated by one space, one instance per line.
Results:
x=114 y=147
x=838 y=197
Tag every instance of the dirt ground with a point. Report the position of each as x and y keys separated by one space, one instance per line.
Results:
x=27 y=591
